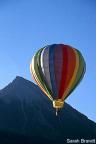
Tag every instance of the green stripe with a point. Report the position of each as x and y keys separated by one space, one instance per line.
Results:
x=38 y=71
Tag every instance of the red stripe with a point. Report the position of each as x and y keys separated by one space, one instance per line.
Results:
x=64 y=70
x=70 y=67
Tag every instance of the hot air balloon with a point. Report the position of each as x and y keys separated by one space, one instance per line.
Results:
x=57 y=69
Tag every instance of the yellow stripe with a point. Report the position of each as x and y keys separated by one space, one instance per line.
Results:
x=37 y=80
x=73 y=77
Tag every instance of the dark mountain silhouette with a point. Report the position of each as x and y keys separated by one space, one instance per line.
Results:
x=26 y=116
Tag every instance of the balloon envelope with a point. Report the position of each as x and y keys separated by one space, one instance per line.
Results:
x=57 y=69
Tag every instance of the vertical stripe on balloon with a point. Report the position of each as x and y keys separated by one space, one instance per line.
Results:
x=45 y=65
x=42 y=77
x=52 y=70
x=58 y=59
x=70 y=67
x=64 y=70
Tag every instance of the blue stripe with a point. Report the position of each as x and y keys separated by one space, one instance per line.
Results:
x=51 y=70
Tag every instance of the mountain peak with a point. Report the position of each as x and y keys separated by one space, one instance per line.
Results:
x=19 y=78
x=18 y=83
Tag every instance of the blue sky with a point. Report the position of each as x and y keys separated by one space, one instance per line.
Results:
x=27 y=25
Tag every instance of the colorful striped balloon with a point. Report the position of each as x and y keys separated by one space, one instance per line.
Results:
x=57 y=69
